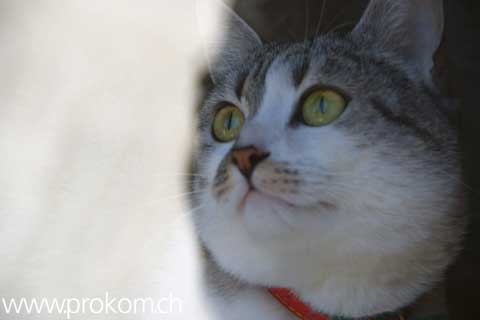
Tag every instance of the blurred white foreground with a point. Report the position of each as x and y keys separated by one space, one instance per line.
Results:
x=95 y=114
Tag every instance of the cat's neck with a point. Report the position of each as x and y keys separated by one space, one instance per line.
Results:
x=240 y=294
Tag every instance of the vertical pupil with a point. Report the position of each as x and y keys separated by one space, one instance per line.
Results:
x=230 y=121
x=321 y=104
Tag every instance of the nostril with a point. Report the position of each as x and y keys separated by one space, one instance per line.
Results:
x=257 y=158
x=247 y=158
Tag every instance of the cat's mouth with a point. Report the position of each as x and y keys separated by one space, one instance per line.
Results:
x=255 y=193
x=243 y=200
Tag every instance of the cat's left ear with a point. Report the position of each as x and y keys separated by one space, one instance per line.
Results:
x=411 y=28
x=233 y=40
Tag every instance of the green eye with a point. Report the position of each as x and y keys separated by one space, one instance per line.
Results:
x=227 y=123
x=322 y=107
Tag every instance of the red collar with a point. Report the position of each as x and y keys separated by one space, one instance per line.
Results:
x=303 y=311
x=295 y=305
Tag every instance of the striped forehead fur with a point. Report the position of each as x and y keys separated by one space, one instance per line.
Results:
x=338 y=62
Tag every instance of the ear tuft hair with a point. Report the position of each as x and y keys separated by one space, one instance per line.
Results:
x=236 y=38
x=412 y=29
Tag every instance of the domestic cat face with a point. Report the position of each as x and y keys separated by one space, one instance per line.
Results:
x=342 y=203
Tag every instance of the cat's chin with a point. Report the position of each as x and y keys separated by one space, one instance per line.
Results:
x=264 y=215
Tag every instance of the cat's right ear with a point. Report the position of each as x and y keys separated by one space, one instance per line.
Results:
x=232 y=39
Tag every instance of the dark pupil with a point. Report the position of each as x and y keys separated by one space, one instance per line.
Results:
x=230 y=121
x=321 y=104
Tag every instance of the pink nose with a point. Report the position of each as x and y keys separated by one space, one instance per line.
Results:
x=247 y=158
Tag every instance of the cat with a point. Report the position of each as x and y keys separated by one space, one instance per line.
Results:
x=329 y=167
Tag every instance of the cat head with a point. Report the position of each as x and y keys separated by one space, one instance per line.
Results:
x=329 y=164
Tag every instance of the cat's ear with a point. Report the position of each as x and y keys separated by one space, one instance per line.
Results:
x=232 y=39
x=411 y=28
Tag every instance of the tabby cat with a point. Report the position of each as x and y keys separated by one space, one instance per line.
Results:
x=329 y=168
